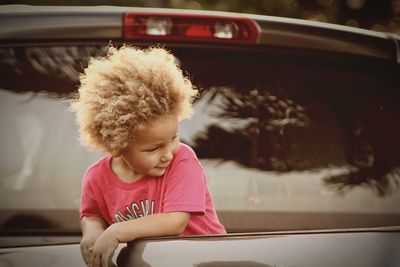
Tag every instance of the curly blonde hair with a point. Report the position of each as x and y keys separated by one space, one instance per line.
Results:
x=125 y=90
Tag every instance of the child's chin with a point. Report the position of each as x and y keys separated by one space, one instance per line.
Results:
x=158 y=171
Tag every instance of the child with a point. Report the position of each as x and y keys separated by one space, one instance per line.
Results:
x=130 y=103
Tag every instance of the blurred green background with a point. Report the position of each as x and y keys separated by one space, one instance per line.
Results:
x=378 y=15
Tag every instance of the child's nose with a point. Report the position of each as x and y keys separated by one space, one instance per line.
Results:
x=167 y=156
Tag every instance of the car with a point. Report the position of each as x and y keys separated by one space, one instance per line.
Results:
x=296 y=126
x=367 y=247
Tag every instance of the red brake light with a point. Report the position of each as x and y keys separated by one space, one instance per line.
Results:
x=182 y=27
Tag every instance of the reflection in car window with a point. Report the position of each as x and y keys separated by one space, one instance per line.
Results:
x=304 y=137
x=49 y=69
x=42 y=163
x=275 y=132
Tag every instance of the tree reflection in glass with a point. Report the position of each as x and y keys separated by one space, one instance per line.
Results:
x=265 y=130
x=253 y=117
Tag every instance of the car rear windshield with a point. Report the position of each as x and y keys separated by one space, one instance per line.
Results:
x=288 y=139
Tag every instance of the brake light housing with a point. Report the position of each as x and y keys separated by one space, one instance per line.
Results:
x=185 y=27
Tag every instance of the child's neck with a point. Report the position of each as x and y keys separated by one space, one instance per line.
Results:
x=124 y=171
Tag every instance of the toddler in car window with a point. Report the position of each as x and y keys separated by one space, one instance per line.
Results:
x=149 y=184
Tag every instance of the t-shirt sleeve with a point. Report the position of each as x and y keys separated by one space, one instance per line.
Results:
x=89 y=206
x=186 y=187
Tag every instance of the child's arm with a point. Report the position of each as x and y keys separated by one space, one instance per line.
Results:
x=160 y=224
x=92 y=228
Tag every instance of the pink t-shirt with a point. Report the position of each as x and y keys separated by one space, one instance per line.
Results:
x=183 y=187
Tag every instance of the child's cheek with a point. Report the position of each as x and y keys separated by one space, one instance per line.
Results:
x=176 y=147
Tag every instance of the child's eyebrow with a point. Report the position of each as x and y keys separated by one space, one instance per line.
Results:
x=162 y=142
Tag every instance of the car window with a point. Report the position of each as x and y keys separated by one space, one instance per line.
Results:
x=277 y=131
x=310 y=135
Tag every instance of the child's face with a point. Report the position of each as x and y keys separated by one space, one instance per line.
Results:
x=154 y=146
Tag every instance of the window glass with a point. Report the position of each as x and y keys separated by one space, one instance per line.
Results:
x=41 y=164
x=303 y=136
x=276 y=132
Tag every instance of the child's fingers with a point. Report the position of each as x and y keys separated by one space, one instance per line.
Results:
x=85 y=251
x=99 y=260
x=96 y=261
x=106 y=258
x=104 y=261
x=91 y=257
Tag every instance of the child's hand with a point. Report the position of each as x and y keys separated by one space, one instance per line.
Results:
x=87 y=243
x=103 y=250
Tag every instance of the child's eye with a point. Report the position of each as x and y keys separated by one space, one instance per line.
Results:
x=152 y=149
